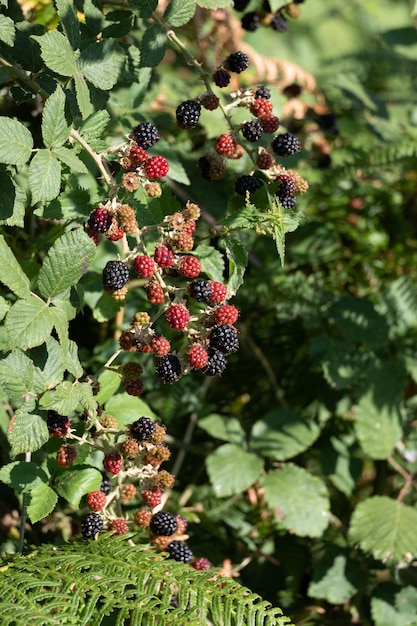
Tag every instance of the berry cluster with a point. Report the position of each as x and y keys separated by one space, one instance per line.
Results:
x=264 y=16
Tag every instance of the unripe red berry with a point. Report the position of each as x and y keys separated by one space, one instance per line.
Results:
x=160 y=345
x=163 y=256
x=151 y=497
x=119 y=526
x=144 y=266
x=177 y=316
x=201 y=563
x=197 y=356
x=218 y=292
x=225 y=314
x=189 y=266
x=155 y=293
x=96 y=501
x=113 y=462
x=156 y=167
x=225 y=145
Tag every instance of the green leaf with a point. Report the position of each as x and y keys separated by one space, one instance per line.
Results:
x=214 y=4
x=153 y=46
x=55 y=364
x=378 y=428
x=337 y=577
x=357 y=320
x=109 y=382
x=101 y=63
x=212 y=262
x=179 y=12
x=27 y=432
x=55 y=130
x=13 y=199
x=238 y=259
x=70 y=158
x=21 y=475
x=28 y=323
x=73 y=484
x=72 y=362
x=57 y=53
x=12 y=274
x=44 y=176
x=7 y=30
x=392 y=606
x=223 y=427
x=64 y=400
x=67 y=260
x=69 y=21
x=349 y=82
x=83 y=95
x=16 y=142
x=144 y=8
x=4 y=307
x=232 y=470
x=60 y=322
x=299 y=499
x=282 y=434
x=126 y=409
x=401 y=301
x=42 y=501
x=243 y=218
x=386 y=528
x=93 y=128
x=16 y=376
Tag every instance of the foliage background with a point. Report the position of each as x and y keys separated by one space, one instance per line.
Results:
x=303 y=455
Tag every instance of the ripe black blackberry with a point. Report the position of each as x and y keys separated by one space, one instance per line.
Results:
x=168 y=368
x=250 y=21
x=240 y=5
x=252 y=131
x=279 y=23
x=200 y=290
x=221 y=77
x=105 y=484
x=224 y=338
x=204 y=167
x=286 y=145
x=263 y=92
x=287 y=202
x=179 y=551
x=216 y=364
x=146 y=135
x=188 y=113
x=100 y=220
x=237 y=62
x=245 y=183
x=58 y=425
x=115 y=275
x=142 y=429
x=91 y=525
x=163 y=523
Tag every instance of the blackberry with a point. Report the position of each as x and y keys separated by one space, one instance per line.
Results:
x=224 y=338
x=216 y=364
x=250 y=21
x=58 y=425
x=115 y=275
x=168 y=368
x=179 y=551
x=245 y=183
x=204 y=167
x=146 y=135
x=163 y=523
x=279 y=23
x=240 y=5
x=188 y=114
x=287 y=202
x=286 y=145
x=105 y=484
x=287 y=186
x=200 y=290
x=100 y=220
x=328 y=122
x=237 y=62
x=263 y=92
x=91 y=525
x=252 y=131
x=142 y=429
x=221 y=77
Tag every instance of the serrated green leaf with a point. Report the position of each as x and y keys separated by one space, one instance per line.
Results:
x=86 y=398
x=16 y=142
x=55 y=130
x=282 y=434
x=67 y=260
x=12 y=274
x=72 y=361
x=179 y=12
x=94 y=16
x=223 y=427
x=60 y=322
x=21 y=475
x=144 y=8
x=337 y=577
x=57 y=53
x=69 y=21
x=44 y=176
x=357 y=320
x=212 y=262
x=153 y=46
x=238 y=260
x=70 y=158
x=244 y=218
x=299 y=499
x=126 y=409
x=109 y=382
x=55 y=364
x=74 y=483
x=83 y=95
x=13 y=198
x=385 y=527
x=4 y=307
x=16 y=376
x=93 y=128
x=42 y=501
x=27 y=432
x=101 y=63
x=64 y=400
x=7 y=30
x=392 y=606
x=232 y=470
x=378 y=428
x=28 y=323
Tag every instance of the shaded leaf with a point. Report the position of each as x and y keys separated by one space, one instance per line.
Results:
x=70 y=158
x=13 y=198
x=223 y=427
x=127 y=409
x=179 y=12
x=153 y=46
x=16 y=142
x=44 y=176
x=7 y=30
x=16 y=376
x=378 y=428
x=42 y=501
x=238 y=260
x=144 y=8
x=357 y=320
x=101 y=63
x=212 y=262
x=83 y=95
x=75 y=482
x=12 y=274
x=392 y=606
x=69 y=21
x=337 y=577
x=21 y=475
x=232 y=470
x=57 y=53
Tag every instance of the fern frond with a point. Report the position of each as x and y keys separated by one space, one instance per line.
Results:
x=110 y=581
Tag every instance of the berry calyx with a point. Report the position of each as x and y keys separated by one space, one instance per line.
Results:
x=177 y=316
